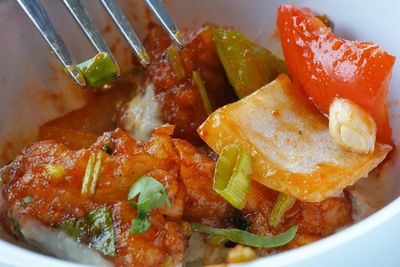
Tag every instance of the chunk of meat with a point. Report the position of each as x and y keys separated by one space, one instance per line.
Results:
x=315 y=220
x=56 y=200
x=181 y=104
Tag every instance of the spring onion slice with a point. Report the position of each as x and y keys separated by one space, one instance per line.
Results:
x=282 y=204
x=151 y=195
x=247 y=238
x=231 y=177
x=203 y=92
x=92 y=174
x=176 y=62
x=99 y=70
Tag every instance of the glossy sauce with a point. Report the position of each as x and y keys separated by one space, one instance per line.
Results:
x=181 y=104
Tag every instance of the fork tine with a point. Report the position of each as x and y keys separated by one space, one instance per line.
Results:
x=126 y=30
x=81 y=16
x=159 y=11
x=38 y=15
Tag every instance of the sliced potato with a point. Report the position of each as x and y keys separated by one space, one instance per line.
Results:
x=290 y=143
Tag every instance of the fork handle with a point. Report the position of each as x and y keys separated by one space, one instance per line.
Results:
x=39 y=17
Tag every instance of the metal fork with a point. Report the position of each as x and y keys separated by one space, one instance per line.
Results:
x=38 y=15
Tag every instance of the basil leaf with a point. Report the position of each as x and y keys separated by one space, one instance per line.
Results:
x=247 y=238
x=151 y=194
x=95 y=229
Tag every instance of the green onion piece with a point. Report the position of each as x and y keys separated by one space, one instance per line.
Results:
x=203 y=92
x=282 y=204
x=175 y=61
x=231 y=177
x=151 y=195
x=27 y=200
x=92 y=174
x=99 y=70
x=55 y=171
x=140 y=225
x=240 y=254
x=247 y=238
x=95 y=228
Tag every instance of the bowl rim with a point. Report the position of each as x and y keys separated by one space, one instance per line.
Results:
x=331 y=242
x=18 y=256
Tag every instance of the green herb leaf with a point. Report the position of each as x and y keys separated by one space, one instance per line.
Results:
x=231 y=178
x=99 y=70
x=92 y=174
x=247 y=65
x=282 y=204
x=95 y=229
x=27 y=200
x=175 y=61
x=249 y=239
x=151 y=195
x=203 y=92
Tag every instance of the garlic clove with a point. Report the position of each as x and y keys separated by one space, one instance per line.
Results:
x=351 y=127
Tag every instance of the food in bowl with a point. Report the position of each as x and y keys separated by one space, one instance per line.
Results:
x=224 y=153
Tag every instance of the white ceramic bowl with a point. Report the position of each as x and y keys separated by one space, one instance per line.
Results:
x=34 y=89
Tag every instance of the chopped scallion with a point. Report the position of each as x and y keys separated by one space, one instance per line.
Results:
x=55 y=171
x=151 y=195
x=92 y=174
x=99 y=70
x=175 y=61
x=282 y=204
x=27 y=200
x=247 y=238
x=203 y=92
x=231 y=178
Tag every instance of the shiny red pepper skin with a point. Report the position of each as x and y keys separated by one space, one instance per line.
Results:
x=326 y=66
